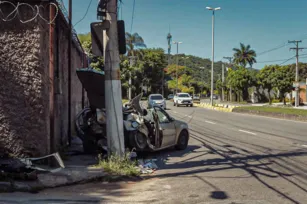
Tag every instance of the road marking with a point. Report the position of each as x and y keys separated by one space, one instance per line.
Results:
x=190 y=116
x=304 y=145
x=175 y=112
x=248 y=132
x=210 y=122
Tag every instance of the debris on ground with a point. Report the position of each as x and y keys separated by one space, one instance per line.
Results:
x=24 y=168
x=147 y=166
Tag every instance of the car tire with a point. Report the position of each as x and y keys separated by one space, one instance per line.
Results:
x=187 y=105
x=183 y=140
x=191 y=105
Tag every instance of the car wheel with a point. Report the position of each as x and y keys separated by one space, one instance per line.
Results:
x=183 y=140
x=191 y=105
x=187 y=105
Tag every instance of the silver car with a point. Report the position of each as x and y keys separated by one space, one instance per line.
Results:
x=157 y=100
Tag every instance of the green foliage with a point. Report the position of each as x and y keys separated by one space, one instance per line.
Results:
x=266 y=78
x=244 y=55
x=283 y=80
x=270 y=109
x=119 y=166
x=86 y=41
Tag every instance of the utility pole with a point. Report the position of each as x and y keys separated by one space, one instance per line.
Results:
x=223 y=67
x=297 y=96
x=69 y=70
x=131 y=61
x=230 y=89
x=185 y=64
x=113 y=93
x=177 y=43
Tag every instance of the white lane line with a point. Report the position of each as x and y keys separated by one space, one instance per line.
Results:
x=175 y=112
x=248 y=132
x=190 y=116
x=304 y=145
x=210 y=122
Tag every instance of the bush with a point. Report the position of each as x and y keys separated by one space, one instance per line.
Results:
x=276 y=101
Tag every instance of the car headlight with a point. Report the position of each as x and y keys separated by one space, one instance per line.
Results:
x=134 y=124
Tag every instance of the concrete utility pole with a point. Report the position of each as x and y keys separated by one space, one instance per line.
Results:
x=213 y=11
x=297 y=86
x=177 y=43
x=132 y=62
x=230 y=62
x=223 y=77
x=69 y=70
x=185 y=64
x=113 y=93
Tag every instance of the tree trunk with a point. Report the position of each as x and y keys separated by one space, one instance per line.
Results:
x=245 y=95
x=269 y=96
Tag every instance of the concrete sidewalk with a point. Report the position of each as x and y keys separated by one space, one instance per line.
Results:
x=79 y=168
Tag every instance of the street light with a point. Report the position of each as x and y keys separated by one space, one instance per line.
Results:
x=213 y=10
x=177 y=43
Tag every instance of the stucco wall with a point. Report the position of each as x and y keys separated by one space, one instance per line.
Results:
x=23 y=87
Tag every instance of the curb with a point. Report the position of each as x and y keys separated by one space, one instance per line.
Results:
x=217 y=107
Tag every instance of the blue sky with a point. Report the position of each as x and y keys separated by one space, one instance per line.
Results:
x=264 y=24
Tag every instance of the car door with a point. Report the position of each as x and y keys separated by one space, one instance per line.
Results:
x=168 y=127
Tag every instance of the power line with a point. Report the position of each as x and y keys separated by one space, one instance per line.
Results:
x=287 y=60
x=132 y=16
x=85 y=13
x=273 y=49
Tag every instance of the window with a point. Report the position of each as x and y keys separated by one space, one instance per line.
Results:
x=156 y=97
x=163 y=117
x=184 y=95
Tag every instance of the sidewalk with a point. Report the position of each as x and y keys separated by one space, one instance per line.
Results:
x=78 y=168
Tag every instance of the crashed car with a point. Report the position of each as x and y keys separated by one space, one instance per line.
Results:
x=144 y=129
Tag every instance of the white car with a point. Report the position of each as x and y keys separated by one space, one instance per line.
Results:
x=183 y=99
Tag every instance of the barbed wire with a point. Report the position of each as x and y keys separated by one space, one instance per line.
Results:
x=36 y=9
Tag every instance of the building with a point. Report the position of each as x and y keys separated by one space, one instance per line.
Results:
x=34 y=78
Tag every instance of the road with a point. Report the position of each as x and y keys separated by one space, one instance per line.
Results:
x=231 y=158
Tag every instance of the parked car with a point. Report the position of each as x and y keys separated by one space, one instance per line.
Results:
x=196 y=98
x=215 y=97
x=170 y=96
x=183 y=99
x=156 y=99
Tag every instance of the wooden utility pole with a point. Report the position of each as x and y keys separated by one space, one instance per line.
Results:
x=113 y=89
x=297 y=95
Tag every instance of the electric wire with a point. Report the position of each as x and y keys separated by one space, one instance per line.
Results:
x=88 y=7
x=132 y=16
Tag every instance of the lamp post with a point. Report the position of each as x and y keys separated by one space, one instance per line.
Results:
x=213 y=11
x=177 y=43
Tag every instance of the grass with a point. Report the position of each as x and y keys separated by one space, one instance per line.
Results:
x=119 y=166
x=281 y=110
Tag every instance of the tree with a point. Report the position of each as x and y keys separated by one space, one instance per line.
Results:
x=266 y=78
x=240 y=80
x=283 y=80
x=133 y=43
x=86 y=42
x=244 y=55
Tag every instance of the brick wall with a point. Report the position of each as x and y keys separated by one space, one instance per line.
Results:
x=24 y=85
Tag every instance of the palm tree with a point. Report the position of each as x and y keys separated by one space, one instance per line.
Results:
x=134 y=42
x=244 y=55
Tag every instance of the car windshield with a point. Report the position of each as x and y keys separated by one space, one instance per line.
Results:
x=157 y=97
x=184 y=95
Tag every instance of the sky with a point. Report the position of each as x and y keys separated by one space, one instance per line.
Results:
x=263 y=24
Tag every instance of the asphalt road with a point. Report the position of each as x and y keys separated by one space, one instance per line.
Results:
x=231 y=158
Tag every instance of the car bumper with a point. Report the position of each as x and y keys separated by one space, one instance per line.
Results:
x=185 y=102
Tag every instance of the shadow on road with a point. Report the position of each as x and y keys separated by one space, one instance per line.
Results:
x=258 y=166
